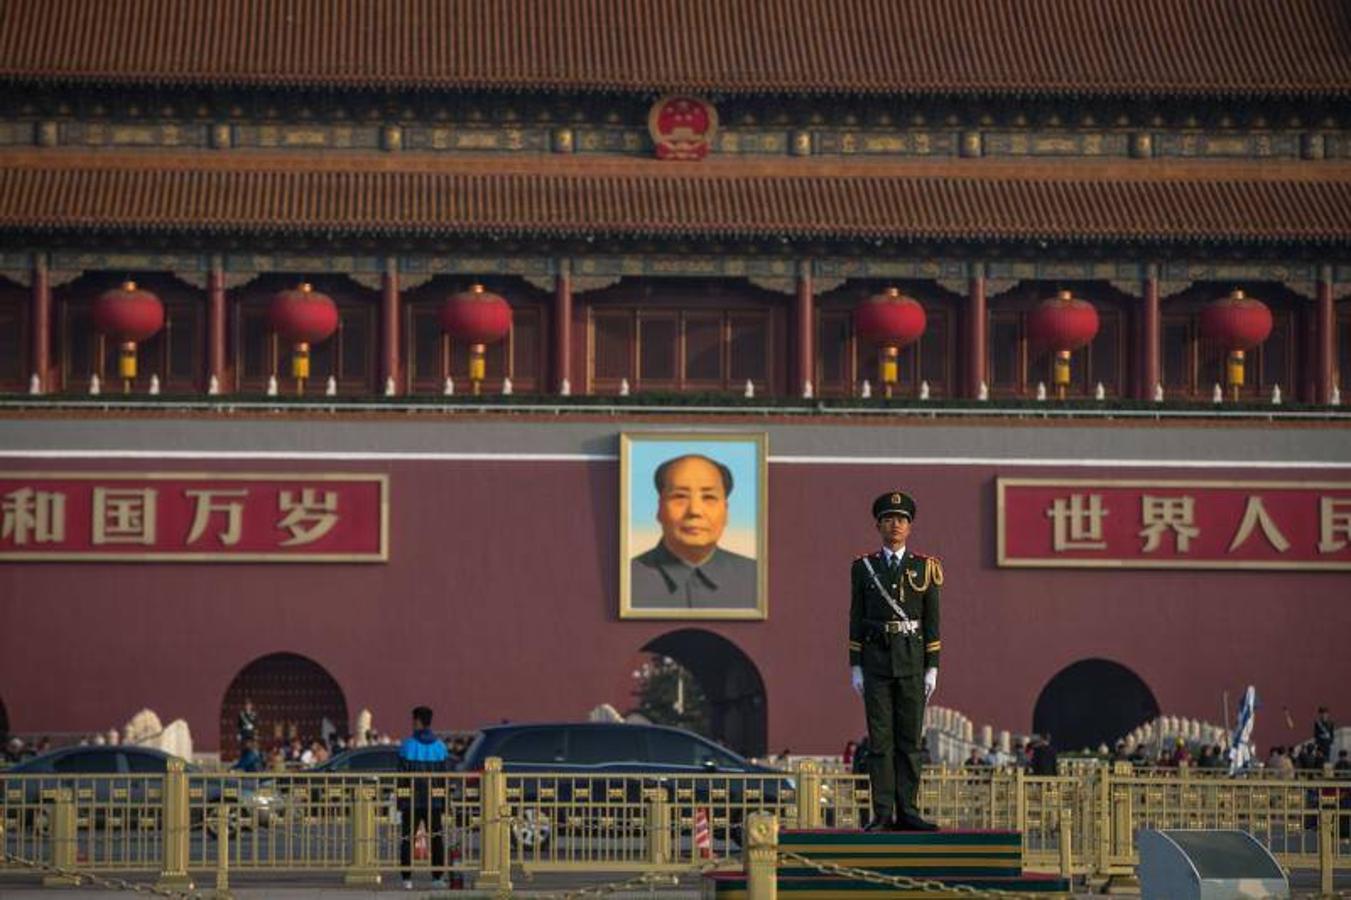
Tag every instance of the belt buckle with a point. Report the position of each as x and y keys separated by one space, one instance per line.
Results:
x=894 y=626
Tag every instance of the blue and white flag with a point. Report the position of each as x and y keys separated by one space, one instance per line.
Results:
x=1240 y=745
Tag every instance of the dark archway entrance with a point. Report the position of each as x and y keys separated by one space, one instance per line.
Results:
x=4 y=720
x=293 y=696
x=738 y=714
x=1092 y=702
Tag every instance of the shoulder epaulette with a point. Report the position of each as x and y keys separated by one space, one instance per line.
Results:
x=933 y=573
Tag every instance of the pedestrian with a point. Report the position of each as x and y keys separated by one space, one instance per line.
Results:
x=847 y=758
x=250 y=760
x=893 y=659
x=1324 y=730
x=246 y=725
x=1044 y=761
x=422 y=754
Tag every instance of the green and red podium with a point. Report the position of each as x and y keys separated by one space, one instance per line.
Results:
x=959 y=860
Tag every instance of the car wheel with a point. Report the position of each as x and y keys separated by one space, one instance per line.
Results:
x=236 y=823
x=531 y=830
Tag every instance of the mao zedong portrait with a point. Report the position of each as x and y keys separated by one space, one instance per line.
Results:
x=687 y=569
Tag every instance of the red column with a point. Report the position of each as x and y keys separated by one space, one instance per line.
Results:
x=803 y=321
x=1326 y=336
x=389 y=323
x=215 y=322
x=562 y=325
x=1149 y=335
x=976 y=317
x=41 y=314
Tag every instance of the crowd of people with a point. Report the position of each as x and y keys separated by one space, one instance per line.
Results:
x=17 y=749
x=296 y=752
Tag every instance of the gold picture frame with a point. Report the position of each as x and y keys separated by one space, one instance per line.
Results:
x=685 y=552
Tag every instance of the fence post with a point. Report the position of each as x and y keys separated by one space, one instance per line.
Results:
x=658 y=829
x=177 y=831
x=495 y=865
x=63 y=839
x=364 y=869
x=222 y=891
x=1066 y=840
x=1105 y=822
x=1020 y=803
x=761 y=857
x=808 y=794
x=1327 y=841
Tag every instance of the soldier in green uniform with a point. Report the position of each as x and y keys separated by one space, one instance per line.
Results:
x=893 y=659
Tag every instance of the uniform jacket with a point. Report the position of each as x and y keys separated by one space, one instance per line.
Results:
x=919 y=583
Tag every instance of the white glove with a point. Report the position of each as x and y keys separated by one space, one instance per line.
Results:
x=856 y=679
x=930 y=683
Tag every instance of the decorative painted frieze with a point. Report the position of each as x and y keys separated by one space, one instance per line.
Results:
x=1068 y=143
x=1283 y=145
x=307 y=136
x=17 y=134
x=129 y=134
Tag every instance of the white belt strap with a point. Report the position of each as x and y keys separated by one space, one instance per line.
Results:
x=891 y=601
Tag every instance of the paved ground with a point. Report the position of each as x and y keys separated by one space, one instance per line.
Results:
x=312 y=887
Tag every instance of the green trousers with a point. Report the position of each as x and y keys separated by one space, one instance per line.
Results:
x=895 y=711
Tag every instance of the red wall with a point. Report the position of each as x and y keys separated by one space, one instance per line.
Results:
x=498 y=601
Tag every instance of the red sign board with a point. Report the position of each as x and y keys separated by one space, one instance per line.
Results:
x=1174 y=524
x=183 y=516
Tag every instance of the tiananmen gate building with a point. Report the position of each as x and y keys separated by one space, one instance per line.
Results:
x=851 y=228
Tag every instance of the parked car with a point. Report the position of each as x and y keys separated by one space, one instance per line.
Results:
x=688 y=770
x=91 y=772
x=379 y=758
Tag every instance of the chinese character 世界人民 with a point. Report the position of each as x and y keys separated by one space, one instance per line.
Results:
x=40 y=515
x=124 y=515
x=1159 y=514
x=1078 y=522
x=1334 y=518
x=1256 y=515
x=209 y=502
x=309 y=518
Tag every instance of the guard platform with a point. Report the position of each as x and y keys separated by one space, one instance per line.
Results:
x=981 y=860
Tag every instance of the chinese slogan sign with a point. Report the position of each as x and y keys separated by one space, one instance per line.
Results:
x=1174 y=524
x=172 y=517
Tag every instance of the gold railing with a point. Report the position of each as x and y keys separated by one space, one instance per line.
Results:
x=479 y=827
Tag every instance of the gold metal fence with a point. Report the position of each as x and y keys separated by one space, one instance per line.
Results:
x=478 y=827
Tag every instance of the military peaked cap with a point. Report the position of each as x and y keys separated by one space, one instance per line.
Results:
x=894 y=503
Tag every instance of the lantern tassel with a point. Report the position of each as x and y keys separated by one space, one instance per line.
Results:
x=300 y=365
x=1235 y=372
x=478 y=366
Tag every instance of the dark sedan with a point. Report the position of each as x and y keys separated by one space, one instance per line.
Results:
x=109 y=783
x=564 y=766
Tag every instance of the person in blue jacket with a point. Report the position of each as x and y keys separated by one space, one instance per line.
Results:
x=422 y=753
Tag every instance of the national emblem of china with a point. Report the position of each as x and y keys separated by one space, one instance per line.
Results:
x=682 y=127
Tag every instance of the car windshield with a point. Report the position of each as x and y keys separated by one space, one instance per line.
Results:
x=145 y=763
x=537 y=745
x=605 y=744
x=85 y=763
x=373 y=761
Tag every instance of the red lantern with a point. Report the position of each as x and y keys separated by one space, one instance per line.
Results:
x=128 y=314
x=1237 y=323
x=302 y=316
x=893 y=321
x=1063 y=323
x=477 y=317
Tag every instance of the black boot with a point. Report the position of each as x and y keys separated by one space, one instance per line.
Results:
x=911 y=822
x=882 y=822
